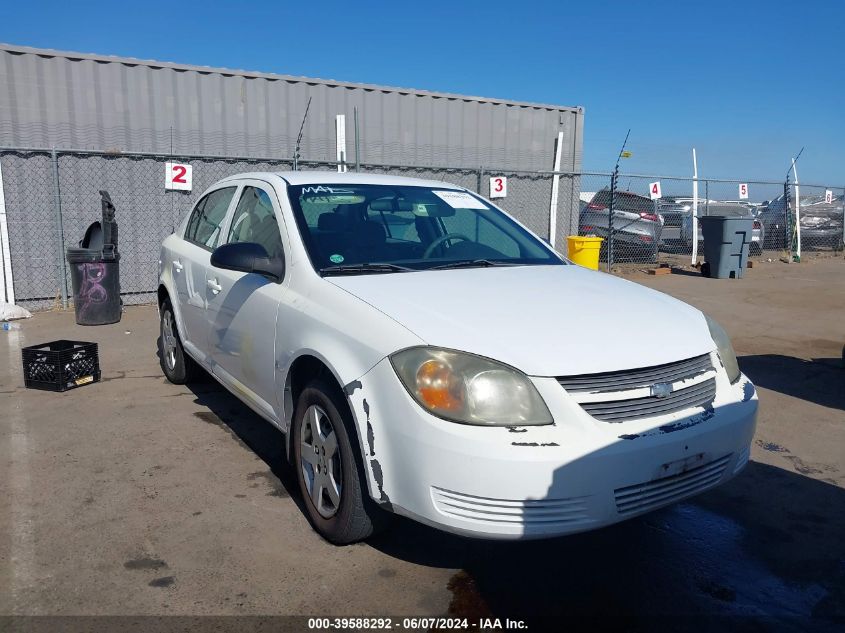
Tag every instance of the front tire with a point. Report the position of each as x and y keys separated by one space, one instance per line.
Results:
x=178 y=367
x=329 y=473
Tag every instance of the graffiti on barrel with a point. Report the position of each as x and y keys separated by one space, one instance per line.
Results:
x=91 y=292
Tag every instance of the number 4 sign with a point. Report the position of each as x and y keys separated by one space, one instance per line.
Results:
x=498 y=187
x=178 y=176
x=743 y=191
x=654 y=190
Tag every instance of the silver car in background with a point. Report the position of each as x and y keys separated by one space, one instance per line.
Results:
x=637 y=226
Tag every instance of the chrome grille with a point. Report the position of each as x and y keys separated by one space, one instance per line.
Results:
x=634 y=378
x=698 y=395
x=659 y=492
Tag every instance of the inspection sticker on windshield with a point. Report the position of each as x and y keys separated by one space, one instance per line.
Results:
x=460 y=200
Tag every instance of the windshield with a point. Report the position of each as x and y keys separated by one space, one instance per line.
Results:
x=348 y=227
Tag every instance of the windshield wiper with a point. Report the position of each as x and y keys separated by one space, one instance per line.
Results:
x=363 y=269
x=473 y=263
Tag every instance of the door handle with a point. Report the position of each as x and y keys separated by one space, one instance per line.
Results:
x=214 y=286
x=177 y=266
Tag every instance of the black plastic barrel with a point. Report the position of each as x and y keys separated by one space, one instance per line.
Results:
x=95 y=271
x=95 y=277
x=727 y=241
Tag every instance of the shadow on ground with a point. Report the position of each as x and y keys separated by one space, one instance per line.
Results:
x=763 y=552
x=821 y=380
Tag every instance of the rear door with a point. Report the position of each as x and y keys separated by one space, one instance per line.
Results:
x=243 y=307
x=189 y=259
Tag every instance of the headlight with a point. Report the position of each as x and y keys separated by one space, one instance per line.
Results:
x=724 y=347
x=469 y=389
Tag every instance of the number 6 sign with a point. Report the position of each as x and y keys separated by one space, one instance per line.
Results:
x=498 y=187
x=178 y=176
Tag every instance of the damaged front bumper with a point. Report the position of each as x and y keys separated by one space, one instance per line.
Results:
x=534 y=482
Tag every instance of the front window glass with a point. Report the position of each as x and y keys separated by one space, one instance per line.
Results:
x=416 y=228
x=255 y=221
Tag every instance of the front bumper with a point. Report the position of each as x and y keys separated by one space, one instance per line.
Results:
x=534 y=482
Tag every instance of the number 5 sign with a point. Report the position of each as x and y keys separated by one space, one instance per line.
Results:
x=743 y=191
x=498 y=187
x=177 y=176
x=654 y=190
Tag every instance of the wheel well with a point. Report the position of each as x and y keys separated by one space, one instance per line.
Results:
x=162 y=295
x=303 y=370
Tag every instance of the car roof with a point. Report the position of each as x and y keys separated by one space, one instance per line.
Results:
x=334 y=177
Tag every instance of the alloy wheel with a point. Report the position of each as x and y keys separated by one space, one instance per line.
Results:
x=320 y=461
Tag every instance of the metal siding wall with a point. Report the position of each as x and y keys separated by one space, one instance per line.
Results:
x=56 y=100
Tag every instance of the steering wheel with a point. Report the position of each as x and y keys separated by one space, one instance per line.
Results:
x=444 y=238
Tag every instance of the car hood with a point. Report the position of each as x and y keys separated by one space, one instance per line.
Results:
x=544 y=320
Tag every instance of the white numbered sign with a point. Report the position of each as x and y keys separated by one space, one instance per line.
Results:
x=828 y=196
x=498 y=187
x=654 y=190
x=743 y=191
x=178 y=176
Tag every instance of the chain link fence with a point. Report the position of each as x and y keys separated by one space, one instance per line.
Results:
x=52 y=196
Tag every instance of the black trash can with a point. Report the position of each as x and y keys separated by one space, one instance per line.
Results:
x=95 y=271
x=727 y=241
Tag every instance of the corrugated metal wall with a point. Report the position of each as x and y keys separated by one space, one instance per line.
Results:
x=70 y=100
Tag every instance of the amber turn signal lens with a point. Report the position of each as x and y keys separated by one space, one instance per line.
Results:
x=438 y=387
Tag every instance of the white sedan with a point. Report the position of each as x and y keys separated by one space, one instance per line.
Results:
x=425 y=354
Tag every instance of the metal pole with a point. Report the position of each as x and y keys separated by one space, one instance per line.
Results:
x=797 y=212
x=60 y=238
x=479 y=178
x=357 y=144
x=610 y=217
x=694 y=209
x=787 y=229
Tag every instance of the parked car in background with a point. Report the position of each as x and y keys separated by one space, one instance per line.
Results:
x=731 y=210
x=637 y=226
x=674 y=211
x=821 y=222
x=424 y=354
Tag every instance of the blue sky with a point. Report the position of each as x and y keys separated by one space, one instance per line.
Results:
x=748 y=83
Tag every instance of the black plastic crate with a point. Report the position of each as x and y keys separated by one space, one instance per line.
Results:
x=60 y=365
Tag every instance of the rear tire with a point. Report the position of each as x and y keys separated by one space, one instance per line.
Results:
x=178 y=367
x=328 y=467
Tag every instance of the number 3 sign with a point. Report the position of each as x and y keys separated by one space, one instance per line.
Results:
x=498 y=187
x=177 y=176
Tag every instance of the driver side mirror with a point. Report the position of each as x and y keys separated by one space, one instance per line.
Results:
x=248 y=257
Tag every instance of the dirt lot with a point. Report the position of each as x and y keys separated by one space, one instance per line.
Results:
x=134 y=496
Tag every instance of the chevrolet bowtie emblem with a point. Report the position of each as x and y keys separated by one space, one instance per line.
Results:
x=661 y=389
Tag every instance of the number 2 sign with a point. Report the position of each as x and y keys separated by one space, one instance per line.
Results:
x=498 y=187
x=178 y=176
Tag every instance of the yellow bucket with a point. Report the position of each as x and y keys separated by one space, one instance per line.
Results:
x=584 y=251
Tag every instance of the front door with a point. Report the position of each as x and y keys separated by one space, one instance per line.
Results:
x=242 y=307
